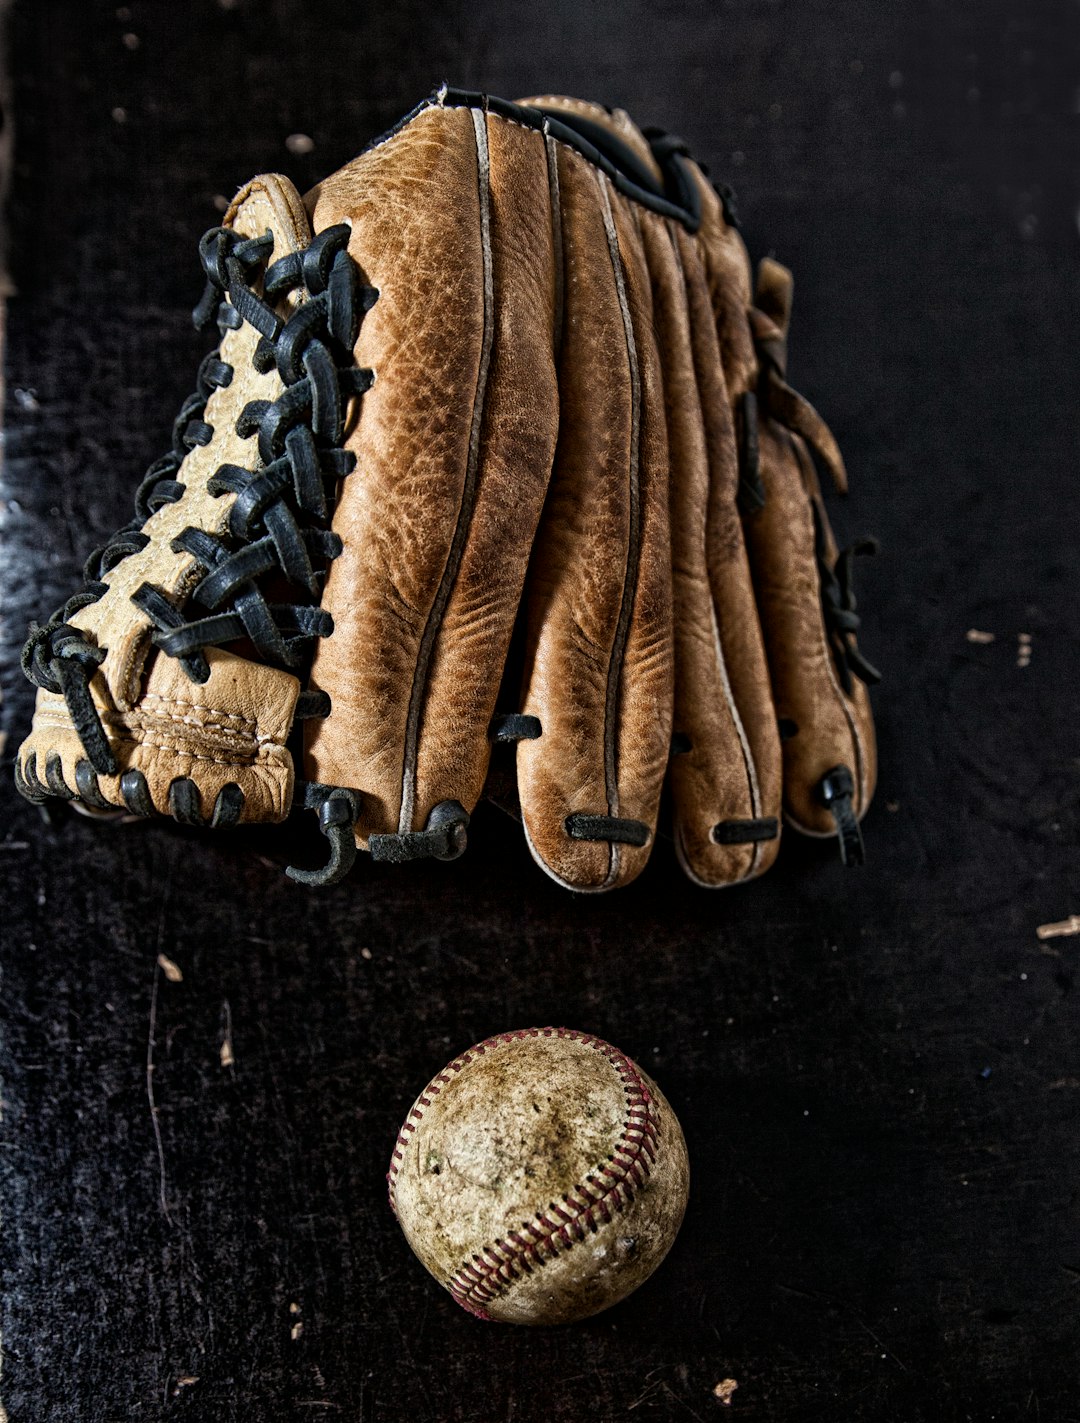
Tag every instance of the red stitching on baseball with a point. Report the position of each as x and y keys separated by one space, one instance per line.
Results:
x=479 y=1280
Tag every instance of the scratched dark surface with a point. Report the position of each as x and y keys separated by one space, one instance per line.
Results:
x=878 y=1072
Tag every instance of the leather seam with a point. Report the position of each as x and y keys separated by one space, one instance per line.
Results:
x=138 y=740
x=141 y=721
x=199 y=707
x=468 y=494
x=633 y=549
x=557 y=241
x=134 y=721
x=729 y=696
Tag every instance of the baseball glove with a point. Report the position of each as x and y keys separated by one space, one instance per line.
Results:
x=497 y=447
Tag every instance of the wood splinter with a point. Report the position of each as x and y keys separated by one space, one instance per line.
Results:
x=1060 y=930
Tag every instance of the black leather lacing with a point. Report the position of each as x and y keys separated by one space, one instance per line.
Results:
x=278 y=525
x=673 y=156
x=838 y=604
x=745 y=832
x=614 y=828
x=443 y=837
x=509 y=727
x=836 y=578
x=836 y=791
x=750 y=495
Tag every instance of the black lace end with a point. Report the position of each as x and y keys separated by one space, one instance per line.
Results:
x=443 y=838
x=338 y=810
x=509 y=727
x=746 y=832
x=835 y=791
x=617 y=830
x=750 y=496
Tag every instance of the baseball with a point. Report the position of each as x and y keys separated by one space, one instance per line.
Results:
x=540 y=1177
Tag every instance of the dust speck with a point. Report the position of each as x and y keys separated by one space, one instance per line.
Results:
x=977 y=635
x=724 y=1390
x=169 y=969
x=300 y=143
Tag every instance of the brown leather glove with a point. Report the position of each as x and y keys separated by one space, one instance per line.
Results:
x=497 y=446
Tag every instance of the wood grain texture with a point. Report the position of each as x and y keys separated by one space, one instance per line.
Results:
x=876 y=1072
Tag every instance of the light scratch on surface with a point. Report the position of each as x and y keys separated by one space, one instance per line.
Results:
x=3 y=1410
x=226 y=1054
x=151 y=1098
x=150 y=1044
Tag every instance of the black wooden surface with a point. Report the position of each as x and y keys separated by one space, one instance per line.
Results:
x=878 y=1072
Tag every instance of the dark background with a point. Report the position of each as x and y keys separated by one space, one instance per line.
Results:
x=878 y=1072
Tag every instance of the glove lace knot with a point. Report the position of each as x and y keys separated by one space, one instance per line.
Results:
x=277 y=530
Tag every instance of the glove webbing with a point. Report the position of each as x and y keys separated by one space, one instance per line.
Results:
x=276 y=524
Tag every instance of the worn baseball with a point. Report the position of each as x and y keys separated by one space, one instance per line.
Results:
x=540 y=1177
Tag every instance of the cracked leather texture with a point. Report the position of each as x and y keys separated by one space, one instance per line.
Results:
x=542 y=519
x=552 y=426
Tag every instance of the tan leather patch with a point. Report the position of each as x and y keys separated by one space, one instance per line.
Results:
x=230 y=729
x=114 y=622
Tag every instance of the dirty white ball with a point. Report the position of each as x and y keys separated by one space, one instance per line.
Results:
x=540 y=1177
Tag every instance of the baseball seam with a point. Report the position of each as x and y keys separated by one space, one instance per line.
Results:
x=496 y=1266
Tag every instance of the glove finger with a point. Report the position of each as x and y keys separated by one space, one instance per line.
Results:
x=725 y=766
x=830 y=759
x=825 y=725
x=823 y=709
x=451 y=221
x=598 y=663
